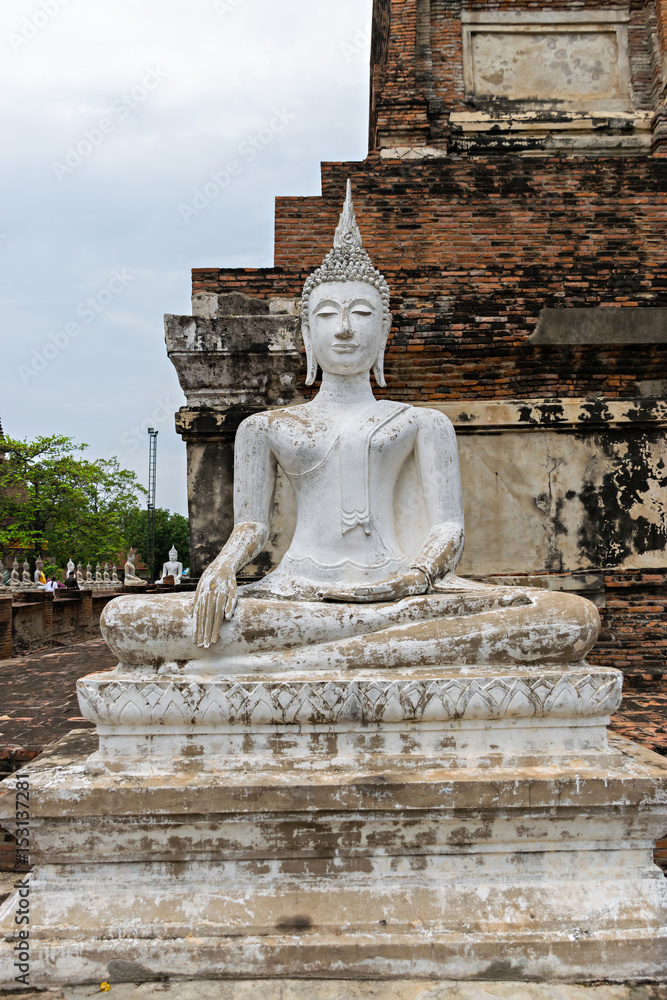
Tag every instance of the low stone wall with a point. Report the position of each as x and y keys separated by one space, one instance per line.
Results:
x=31 y=620
x=5 y=627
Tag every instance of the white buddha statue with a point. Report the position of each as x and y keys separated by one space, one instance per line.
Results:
x=26 y=582
x=80 y=579
x=369 y=578
x=131 y=578
x=38 y=577
x=173 y=568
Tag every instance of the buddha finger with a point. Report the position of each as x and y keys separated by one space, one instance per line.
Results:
x=342 y=596
x=230 y=607
x=369 y=593
x=199 y=626
x=211 y=610
x=203 y=621
x=219 y=614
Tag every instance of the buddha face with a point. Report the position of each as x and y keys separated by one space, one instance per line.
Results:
x=346 y=331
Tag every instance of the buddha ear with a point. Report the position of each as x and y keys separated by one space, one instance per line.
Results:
x=311 y=373
x=378 y=367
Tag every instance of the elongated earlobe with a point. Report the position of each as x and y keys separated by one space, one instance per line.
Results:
x=378 y=367
x=311 y=373
x=378 y=371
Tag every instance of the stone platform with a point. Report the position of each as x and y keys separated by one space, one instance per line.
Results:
x=511 y=866
x=454 y=823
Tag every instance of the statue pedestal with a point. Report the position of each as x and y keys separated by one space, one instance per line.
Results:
x=452 y=824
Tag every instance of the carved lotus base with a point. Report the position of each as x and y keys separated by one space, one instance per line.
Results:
x=169 y=722
x=490 y=870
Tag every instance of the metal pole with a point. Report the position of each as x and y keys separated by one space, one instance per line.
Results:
x=150 y=520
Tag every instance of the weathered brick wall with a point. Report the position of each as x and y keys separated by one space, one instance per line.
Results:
x=400 y=105
x=417 y=76
x=473 y=250
x=634 y=626
x=379 y=55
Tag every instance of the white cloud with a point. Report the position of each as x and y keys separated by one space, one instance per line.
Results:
x=225 y=74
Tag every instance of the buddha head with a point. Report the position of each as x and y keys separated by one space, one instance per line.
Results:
x=173 y=554
x=345 y=316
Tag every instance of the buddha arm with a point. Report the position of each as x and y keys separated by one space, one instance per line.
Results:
x=254 y=483
x=438 y=464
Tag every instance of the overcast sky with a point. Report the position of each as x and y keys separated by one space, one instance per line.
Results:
x=113 y=114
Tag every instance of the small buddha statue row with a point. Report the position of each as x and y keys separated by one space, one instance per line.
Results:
x=102 y=578
x=19 y=579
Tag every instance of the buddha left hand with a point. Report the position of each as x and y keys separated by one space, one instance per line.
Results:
x=407 y=585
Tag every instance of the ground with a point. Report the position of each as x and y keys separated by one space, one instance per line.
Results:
x=343 y=990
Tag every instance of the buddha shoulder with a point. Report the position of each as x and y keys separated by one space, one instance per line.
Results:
x=284 y=422
x=294 y=423
x=290 y=431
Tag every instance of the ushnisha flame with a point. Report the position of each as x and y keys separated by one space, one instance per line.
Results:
x=348 y=261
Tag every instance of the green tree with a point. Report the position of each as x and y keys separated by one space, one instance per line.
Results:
x=55 y=503
x=170 y=529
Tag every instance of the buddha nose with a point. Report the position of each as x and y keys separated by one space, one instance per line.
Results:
x=344 y=333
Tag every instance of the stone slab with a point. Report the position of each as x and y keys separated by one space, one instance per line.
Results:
x=235 y=360
x=547 y=58
x=604 y=327
x=629 y=775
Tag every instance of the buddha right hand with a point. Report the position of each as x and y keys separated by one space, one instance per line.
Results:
x=215 y=602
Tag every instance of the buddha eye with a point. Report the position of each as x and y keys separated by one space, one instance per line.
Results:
x=327 y=312
x=362 y=311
